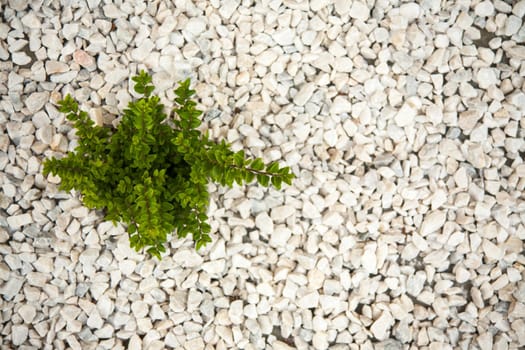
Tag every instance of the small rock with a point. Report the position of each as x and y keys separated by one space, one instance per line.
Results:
x=235 y=312
x=408 y=112
x=432 y=222
x=512 y=25
x=485 y=341
x=19 y=334
x=227 y=8
x=20 y=58
x=17 y=221
x=284 y=37
x=195 y=26
x=116 y=76
x=486 y=77
x=12 y=287
x=484 y=9
x=53 y=67
x=308 y=301
x=70 y=30
x=381 y=327
x=320 y=340
x=359 y=11
x=410 y=11
x=30 y=20
x=304 y=94
x=36 y=101
x=280 y=237
x=84 y=59
x=266 y=58
x=112 y=11
x=27 y=312
x=342 y=7
x=491 y=250
x=282 y=213
x=340 y=105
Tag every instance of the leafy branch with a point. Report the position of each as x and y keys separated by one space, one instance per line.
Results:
x=152 y=176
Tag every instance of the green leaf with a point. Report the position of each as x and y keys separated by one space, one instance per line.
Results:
x=238 y=158
x=277 y=181
x=272 y=167
x=263 y=180
x=257 y=164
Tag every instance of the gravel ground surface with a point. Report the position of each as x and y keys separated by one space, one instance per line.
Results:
x=403 y=122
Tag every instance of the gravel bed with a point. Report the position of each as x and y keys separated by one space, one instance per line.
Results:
x=404 y=123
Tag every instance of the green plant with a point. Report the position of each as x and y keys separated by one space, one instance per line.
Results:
x=152 y=172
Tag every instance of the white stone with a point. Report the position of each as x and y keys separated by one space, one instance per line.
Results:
x=408 y=112
x=320 y=340
x=433 y=221
x=343 y=64
x=27 y=312
x=310 y=211
x=415 y=283
x=491 y=250
x=19 y=334
x=316 y=5
x=195 y=26
x=227 y=8
x=359 y=11
x=264 y=223
x=70 y=30
x=94 y=320
x=235 y=312
x=280 y=237
x=342 y=7
x=485 y=341
x=30 y=20
x=340 y=105
x=512 y=25
x=484 y=9
x=214 y=267
x=266 y=58
x=308 y=301
x=284 y=36
x=304 y=94
x=381 y=327
x=112 y=11
x=11 y=287
x=143 y=51
x=17 y=221
x=116 y=76
x=20 y=58
x=369 y=258
x=486 y=77
x=281 y=213
x=410 y=11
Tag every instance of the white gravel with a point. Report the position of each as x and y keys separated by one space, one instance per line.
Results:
x=403 y=122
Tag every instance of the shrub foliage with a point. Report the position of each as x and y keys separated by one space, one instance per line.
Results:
x=152 y=172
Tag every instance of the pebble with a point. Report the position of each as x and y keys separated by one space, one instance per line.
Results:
x=84 y=59
x=408 y=112
x=359 y=10
x=17 y=221
x=27 y=312
x=432 y=222
x=31 y=21
x=381 y=327
x=484 y=9
x=304 y=94
x=19 y=334
x=486 y=77
x=20 y=58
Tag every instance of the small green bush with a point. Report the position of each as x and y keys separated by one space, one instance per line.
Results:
x=152 y=172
